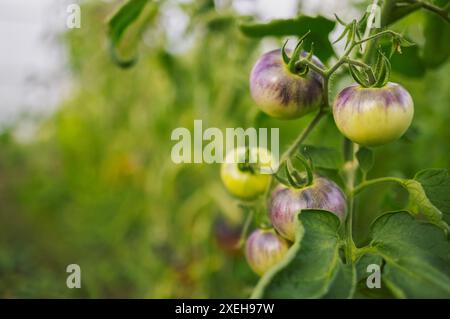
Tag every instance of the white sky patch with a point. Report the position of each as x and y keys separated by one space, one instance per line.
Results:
x=33 y=77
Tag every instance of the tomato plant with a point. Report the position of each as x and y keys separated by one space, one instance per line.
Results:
x=315 y=210
x=359 y=108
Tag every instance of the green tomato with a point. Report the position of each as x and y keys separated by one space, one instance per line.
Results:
x=373 y=116
x=246 y=183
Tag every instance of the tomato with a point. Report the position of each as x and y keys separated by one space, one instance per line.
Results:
x=264 y=249
x=246 y=183
x=373 y=116
x=227 y=235
x=286 y=203
x=282 y=94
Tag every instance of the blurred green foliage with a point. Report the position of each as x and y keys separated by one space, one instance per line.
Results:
x=96 y=185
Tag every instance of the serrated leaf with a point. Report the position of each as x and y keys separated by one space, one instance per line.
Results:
x=416 y=256
x=320 y=29
x=312 y=267
x=322 y=157
x=365 y=159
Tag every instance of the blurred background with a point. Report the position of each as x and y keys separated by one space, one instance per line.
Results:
x=85 y=169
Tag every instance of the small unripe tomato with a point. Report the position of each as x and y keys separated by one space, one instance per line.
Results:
x=246 y=183
x=264 y=249
x=287 y=202
x=282 y=94
x=373 y=116
x=227 y=235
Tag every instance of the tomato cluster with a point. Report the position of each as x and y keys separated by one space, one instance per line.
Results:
x=369 y=116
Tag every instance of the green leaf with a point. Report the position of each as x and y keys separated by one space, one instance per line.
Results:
x=362 y=290
x=436 y=49
x=363 y=262
x=312 y=267
x=322 y=157
x=436 y=184
x=416 y=256
x=419 y=204
x=365 y=159
x=344 y=283
x=427 y=188
x=123 y=38
x=320 y=29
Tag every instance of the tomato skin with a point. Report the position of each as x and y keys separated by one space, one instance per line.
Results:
x=373 y=116
x=243 y=184
x=264 y=249
x=281 y=94
x=286 y=202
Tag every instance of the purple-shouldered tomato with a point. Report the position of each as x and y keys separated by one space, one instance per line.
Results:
x=282 y=94
x=286 y=202
x=264 y=249
x=373 y=116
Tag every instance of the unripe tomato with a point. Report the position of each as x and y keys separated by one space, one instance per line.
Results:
x=282 y=94
x=227 y=235
x=286 y=203
x=264 y=249
x=373 y=116
x=246 y=183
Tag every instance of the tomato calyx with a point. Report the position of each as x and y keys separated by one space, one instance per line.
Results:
x=367 y=77
x=294 y=63
x=291 y=177
x=247 y=166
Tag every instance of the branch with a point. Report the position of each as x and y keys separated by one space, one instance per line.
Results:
x=432 y=8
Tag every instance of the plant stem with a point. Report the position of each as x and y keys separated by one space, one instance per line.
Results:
x=374 y=181
x=301 y=138
x=442 y=12
x=350 y=169
x=312 y=66
x=376 y=36
x=293 y=148
x=248 y=220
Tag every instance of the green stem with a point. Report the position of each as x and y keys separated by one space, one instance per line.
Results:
x=248 y=220
x=312 y=66
x=377 y=35
x=357 y=63
x=442 y=12
x=294 y=146
x=374 y=181
x=350 y=169
x=301 y=138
